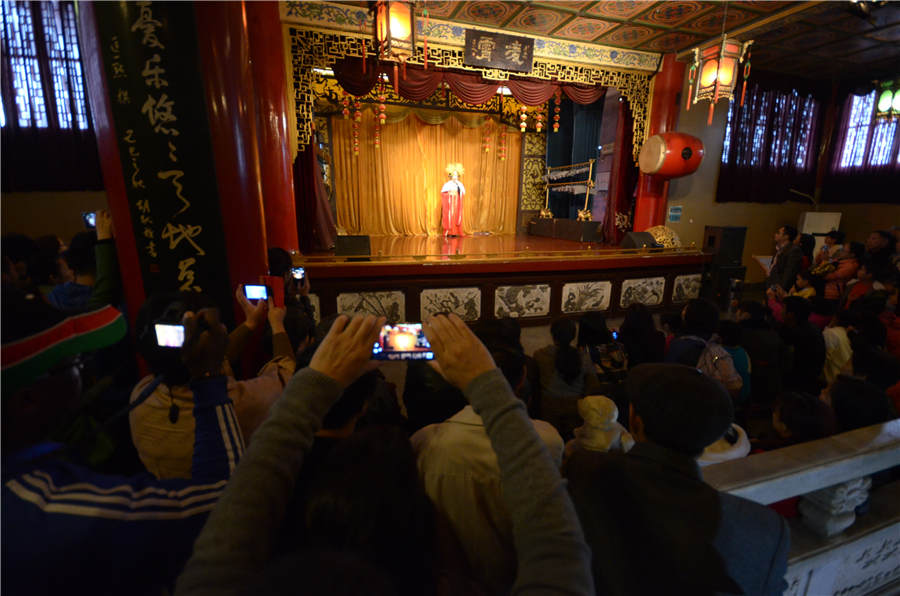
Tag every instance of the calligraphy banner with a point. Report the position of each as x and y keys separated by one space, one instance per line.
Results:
x=496 y=50
x=157 y=99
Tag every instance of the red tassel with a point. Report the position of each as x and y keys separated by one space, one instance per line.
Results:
x=403 y=68
x=743 y=92
x=396 y=80
x=363 y=43
x=712 y=108
x=425 y=49
x=687 y=108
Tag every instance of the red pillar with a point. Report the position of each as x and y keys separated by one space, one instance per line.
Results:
x=650 y=206
x=107 y=145
x=224 y=49
x=275 y=164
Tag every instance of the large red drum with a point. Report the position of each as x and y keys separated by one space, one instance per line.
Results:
x=671 y=155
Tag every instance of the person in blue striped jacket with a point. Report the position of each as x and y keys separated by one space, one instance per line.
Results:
x=66 y=528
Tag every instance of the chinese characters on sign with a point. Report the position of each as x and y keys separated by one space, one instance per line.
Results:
x=495 y=50
x=159 y=114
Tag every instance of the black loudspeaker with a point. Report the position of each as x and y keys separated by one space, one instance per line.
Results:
x=638 y=240
x=726 y=243
x=345 y=246
x=723 y=284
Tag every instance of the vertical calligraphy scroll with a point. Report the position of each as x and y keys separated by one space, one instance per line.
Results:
x=152 y=76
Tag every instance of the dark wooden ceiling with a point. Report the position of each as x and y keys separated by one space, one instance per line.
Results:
x=817 y=40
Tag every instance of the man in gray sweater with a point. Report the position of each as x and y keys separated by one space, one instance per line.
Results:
x=236 y=543
x=787 y=261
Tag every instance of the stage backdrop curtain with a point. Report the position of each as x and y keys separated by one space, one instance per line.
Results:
x=395 y=190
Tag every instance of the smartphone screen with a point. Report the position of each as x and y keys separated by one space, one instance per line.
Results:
x=403 y=341
x=255 y=292
x=615 y=334
x=169 y=336
x=298 y=272
x=90 y=219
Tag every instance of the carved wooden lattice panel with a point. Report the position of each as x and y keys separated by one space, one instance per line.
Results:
x=320 y=49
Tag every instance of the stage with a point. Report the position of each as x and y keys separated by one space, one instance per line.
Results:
x=532 y=278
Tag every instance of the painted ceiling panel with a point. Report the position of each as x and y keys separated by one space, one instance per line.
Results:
x=628 y=36
x=673 y=13
x=538 y=21
x=621 y=9
x=584 y=29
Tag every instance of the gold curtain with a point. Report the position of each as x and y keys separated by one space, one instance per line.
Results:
x=396 y=189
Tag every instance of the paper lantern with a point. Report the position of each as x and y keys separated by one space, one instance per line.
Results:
x=395 y=29
x=714 y=73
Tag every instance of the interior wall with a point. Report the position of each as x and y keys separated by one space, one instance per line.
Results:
x=40 y=213
x=697 y=196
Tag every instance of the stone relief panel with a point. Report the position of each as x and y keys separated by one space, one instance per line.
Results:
x=531 y=300
x=687 y=287
x=316 y=307
x=391 y=305
x=464 y=302
x=586 y=296
x=644 y=290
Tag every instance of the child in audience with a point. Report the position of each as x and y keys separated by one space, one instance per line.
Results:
x=609 y=356
x=731 y=332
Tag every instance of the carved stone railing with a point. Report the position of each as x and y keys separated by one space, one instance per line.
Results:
x=832 y=550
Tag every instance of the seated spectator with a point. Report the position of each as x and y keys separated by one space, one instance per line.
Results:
x=858 y=403
x=731 y=334
x=567 y=374
x=879 y=249
x=866 y=282
x=768 y=354
x=870 y=359
x=75 y=530
x=642 y=340
x=462 y=478
x=834 y=241
x=506 y=333
x=233 y=549
x=91 y=257
x=798 y=418
x=806 y=347
x=734 y=444
x=890 y=320
x=838 y=351
x=699 y=346
x=803 y=288
x=653 y=525
x=807 y=244
x=162 y=427
x=428 y=397
x=17 y=251
x=836 y=274
x=600 y=431
x=47 y=266
x=671 y=326
x=608 y=355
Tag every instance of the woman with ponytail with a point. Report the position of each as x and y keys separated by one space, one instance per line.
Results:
x=566 y=376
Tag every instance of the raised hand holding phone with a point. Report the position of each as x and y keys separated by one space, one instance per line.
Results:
x=344 y=354
x=254 y=314
x=461 y=355
x=205 y=340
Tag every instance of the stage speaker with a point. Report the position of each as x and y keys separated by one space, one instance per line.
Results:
x=722 y=284
x=726 y=243
x=345 y=246
x=638 y=240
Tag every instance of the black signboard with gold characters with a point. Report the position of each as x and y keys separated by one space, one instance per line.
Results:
x=157 y=99
x=495 y=50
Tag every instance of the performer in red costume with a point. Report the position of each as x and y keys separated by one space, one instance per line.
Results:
x=452 y=195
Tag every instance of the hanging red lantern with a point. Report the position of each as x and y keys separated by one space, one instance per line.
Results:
x=557 y=99
x=357 y=115
x=501 y=147
x=345 y=101
x=539 y=121
x=523 y=117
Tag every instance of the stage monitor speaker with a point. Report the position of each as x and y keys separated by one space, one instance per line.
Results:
x=726 y=243
x=638 y=240
x=722 y=284
x=356 y=246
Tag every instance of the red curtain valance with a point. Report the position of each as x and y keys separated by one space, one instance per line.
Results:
x=420 y=83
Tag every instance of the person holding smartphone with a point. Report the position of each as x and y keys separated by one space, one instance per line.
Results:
x=162 y=428
x=91 y=257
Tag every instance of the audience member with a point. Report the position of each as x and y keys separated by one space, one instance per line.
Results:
x=698 y=346
x=567 y=374
x=608 y=355
x=866 y=282
x=834 y=241
x=91 y=257
x=17 y=250
x=671 y=326
x=233 y=548
x=806 y=347
x=870 y=359
x=838 y=351
x=428 y=397
x=75 y=530
x=642 y=340
x=879 y=249
x=768 y=354
x=734 y=444
x=162 y=427
x=506 y=334
x=731 y=334
x=600 y=431
x=798 y=418
x=462 y=478
x=802 y=288
x=787 y=260
x=807 y=244
x=838 y=272
x=858 y=403
x=653 y=525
